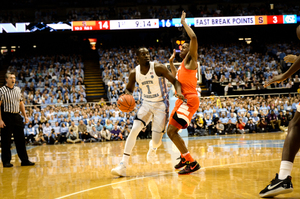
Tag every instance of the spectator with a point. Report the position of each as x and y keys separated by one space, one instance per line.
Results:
x=31 y=133
x=126 y=132
x=231 y=127
x=108 y=125
x=47 y=131
x=191 y=129
x=272 y=119
x=227 y=88
x=220 y=128
x=63 y=131
x=72 y=136
x=52 y=139
x=250 y=126
x=89 y=126
x=99 y=126
x=136 y=94
x=208 y=77
x=224 y=121
x=255 y=118
x=39 y=139
x=74 y=129
x=95 y=135
x=82 y=130
x=200 y=125
x=116 y=133
x=262 y=125
x=241 y=126
x=57 y=130
x=209 y=124
x=105 y=134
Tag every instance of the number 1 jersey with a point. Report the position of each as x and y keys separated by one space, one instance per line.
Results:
x=154 y=88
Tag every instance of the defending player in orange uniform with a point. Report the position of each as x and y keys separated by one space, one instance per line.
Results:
x=184 y=110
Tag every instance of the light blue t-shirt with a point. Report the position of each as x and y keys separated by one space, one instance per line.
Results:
x=233 y=119
x=224 y=120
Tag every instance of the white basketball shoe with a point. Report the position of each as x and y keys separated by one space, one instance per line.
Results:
x=119 y=170
x=151 y=155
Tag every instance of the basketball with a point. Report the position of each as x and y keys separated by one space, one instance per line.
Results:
x=126 y=103
x=298 y=32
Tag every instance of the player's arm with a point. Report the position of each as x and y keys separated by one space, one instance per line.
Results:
x=279 y=78
x=131 y=83
x=161 y=70
x=193 y=42
x=173 y=68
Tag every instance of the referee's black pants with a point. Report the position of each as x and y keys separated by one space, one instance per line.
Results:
x=13 y=124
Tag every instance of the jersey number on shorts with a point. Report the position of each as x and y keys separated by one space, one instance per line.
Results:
x=149 y=92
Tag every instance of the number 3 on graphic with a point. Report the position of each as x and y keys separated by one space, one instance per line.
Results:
x=149 y=92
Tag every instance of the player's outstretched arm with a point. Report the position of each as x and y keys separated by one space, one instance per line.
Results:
x=193 y=43
x=279 y=78
x=131 y=83
x=161 y=70
x=173 y=68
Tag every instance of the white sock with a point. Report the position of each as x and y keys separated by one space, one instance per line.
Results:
x=131 y=140
x=125 y=160
x=285 y=169
x=156 y=139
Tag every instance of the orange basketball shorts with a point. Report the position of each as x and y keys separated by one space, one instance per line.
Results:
x=183 y=112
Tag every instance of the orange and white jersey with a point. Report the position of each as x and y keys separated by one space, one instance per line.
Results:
x=187 y=79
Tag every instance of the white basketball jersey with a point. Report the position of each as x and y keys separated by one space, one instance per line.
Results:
x=154 y=88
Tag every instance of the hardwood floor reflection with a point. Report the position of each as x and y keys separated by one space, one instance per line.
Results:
x=236 y=166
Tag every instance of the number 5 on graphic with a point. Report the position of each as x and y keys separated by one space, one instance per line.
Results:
x=149 y=92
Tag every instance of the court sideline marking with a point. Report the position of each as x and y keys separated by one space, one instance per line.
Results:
x=139 y=178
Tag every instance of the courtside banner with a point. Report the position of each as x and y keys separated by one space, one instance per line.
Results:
x=224 y=21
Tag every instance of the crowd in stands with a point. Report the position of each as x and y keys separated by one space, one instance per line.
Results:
x=246 y=10
x=50 y=79
x=217 y=116
x=12 y=16
x=237 y=67
x=234 y=66
x=85 y=14
x=77 y=123
x=100 y=122
x=45 y=15
x=129 y=13
x=230 y=9
x=162 y=12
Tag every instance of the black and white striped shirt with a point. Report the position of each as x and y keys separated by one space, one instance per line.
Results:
x=10 y=98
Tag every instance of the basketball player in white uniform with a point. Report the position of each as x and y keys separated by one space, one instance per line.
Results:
x=151 y=79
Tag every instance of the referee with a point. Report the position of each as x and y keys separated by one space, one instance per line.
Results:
x=11 y=102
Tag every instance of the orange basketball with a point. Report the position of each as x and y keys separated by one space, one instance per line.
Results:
x=126 y=103
x=298 y=32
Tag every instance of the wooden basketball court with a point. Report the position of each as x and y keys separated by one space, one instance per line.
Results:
x=233 y=166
